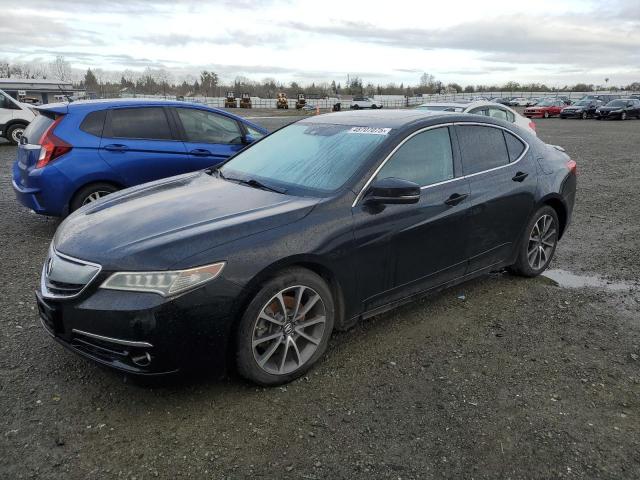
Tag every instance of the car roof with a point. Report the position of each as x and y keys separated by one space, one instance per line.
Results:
x=378 y=119
x=100 y=104
x=398 y=119
x=103 y=104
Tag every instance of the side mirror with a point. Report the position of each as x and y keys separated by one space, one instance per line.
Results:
x=248 y=139
x=393 y=191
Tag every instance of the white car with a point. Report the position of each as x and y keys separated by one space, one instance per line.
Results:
x=364 y=102
x=519 y=102
x=488 y=109
x=14 y=117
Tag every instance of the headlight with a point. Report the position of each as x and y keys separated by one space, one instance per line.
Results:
x=165 y=283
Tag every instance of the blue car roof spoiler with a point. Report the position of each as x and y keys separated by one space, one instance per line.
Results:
x=55 y=108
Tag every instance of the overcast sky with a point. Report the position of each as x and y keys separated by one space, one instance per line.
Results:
x=471 y=42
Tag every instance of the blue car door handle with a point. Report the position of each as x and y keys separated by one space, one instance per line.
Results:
x=116 y=147
x=201 y=152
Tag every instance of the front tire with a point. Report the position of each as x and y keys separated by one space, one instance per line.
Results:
x=14 y=133
x=584 y=115
x=538 y=243
x=623 y=116
x=546 y=114
x=286 y=328
x=91 y=193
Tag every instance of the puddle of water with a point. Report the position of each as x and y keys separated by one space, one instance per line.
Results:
x=566 y=279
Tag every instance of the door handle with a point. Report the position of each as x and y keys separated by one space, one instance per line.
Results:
x=116 y=147
x=455 y=199
x=201 y=152
x=520 y=176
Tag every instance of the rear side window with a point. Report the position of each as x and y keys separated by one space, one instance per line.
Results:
x=93 y=123
x=482 y=148
x=143 y=123
x=36 y=128
x=424 y=159
x=514 y=146
x=201 y=126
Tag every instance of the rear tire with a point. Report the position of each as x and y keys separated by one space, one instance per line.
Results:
x=538 y=243
x=546 y=114
x=623 y=116
x=90 y=193
x=286 y=328
x=14 y=133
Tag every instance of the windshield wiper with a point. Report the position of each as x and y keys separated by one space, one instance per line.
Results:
x=252 y=182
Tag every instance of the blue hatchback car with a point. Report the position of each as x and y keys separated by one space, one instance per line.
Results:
x=73 y=154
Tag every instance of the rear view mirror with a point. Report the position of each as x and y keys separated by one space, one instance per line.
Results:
x=393 y=191
x=248 y=138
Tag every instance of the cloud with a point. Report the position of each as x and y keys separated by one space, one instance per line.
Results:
x=232 y=37
x=566 y=39
x=41 y=30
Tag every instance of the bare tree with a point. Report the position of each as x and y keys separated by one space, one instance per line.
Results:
x=60 y=69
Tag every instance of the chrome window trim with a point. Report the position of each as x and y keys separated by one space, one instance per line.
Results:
x=377 y=170
x=128 y=343
x=43 y=287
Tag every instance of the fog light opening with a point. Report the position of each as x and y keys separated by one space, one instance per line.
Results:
x=142 y=360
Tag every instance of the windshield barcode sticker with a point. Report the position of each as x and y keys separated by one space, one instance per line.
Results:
x=370 y=130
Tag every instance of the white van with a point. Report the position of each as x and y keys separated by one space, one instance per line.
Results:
x=14 y=117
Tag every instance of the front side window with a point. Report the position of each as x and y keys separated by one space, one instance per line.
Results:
x=148 y=123
x=310 y=158
x=206 y=127
x=425 y=159
x=5 y=102
x=256 y=134
x=482 y=148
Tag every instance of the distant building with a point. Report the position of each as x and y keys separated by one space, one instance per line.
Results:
x=41 y=91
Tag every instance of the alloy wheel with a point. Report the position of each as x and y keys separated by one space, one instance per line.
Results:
x=288 y=330
x=542 y=241
x=16 y=134
x=97 y=195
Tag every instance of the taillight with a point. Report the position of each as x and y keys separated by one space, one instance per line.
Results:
x=532 y=125
x=572 y=166
x=51 y=147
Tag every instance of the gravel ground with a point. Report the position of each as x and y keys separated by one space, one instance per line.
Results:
x=501 y=377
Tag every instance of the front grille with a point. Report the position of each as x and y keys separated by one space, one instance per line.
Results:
x=63 y=289
x=66 y=277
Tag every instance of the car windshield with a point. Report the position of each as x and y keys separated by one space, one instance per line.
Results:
x=309 y=159
x=583 y=103
x=546 y=103
x=617 y=103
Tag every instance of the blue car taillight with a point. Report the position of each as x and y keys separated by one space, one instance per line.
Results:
x=51 y=147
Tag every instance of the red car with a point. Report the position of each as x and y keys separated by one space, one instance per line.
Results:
x=545 y=108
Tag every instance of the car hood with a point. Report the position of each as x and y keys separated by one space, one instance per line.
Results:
x=157 y=225
x=610 y=109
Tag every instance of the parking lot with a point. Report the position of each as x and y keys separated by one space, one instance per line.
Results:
x=502 y=377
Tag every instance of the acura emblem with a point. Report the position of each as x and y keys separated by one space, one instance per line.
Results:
x=49 y=266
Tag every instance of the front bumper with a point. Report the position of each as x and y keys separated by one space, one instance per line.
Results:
x=533 y=114
x=607 y=114
x=145 y=333
x=572 y=114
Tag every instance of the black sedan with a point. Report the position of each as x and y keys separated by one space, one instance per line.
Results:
x=621 y=109
x=331 y=219
x=582 y=109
